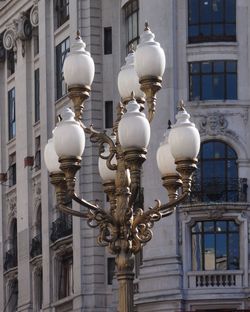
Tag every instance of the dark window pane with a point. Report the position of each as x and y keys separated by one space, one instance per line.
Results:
x=62 y=11
x=219 y=149
x=208 y=226
x=61 y=52
x=234 y=251
x=207 y=150
x=211 y=20
x=193 y=16
x=108 y=114
x=219 y=66
x=214 y=82
x=206 y=67
x=12 y=113
x=218 y=87
x=205 y=11
x=221 y=226
x=107 y=40
x=231 y=92
x=230 y=11
x=37 y=95
x=131 y=10
x=207 y=87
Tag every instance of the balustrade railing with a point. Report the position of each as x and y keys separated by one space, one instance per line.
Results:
x=61 y=227
x=219 y=190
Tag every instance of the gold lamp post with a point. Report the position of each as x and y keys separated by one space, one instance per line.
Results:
x=122 y=228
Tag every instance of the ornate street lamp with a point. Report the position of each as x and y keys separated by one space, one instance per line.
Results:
x=123 y=228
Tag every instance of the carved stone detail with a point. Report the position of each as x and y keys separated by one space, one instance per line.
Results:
x=216 y=213
x=34 y=16
x=11 y=201
x=215 y=123
x=19 y=29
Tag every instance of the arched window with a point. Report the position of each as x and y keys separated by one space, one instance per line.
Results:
x=11 y=254
x=215 y=245
x=217 y=175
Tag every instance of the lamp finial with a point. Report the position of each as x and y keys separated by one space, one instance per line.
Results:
x=78 y=34
x=181 y=106
x=146 y=26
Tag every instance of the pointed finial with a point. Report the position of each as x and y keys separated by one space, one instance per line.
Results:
x=133 y=95
x=146 y=26
x=131 y=48
x=169 y=124
x=78 y=35
x=181 y=105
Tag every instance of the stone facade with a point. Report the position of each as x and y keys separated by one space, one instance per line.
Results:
x=166 y=281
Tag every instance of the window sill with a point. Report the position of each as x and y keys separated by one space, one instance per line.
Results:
x=63 y=301
x=215 y=103
x=213 y=44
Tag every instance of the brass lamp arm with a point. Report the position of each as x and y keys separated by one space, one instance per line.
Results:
x=102 y=138
x=72 y=212
x=164 y=209
x=82 y=201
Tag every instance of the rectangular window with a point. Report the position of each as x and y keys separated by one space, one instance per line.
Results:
x=61 y=52
x=12 y=169
x=111 y=270
x=211 y=20
x=66 y=285
x=62 y=11
x=131 y=10
x=213 y=80
x=10 y=63
x=108 y=114
x=11 y=114
x=37 y=153
x=37 y=94
x=107 y=40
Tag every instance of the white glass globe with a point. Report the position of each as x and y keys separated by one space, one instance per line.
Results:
x=165 y=159
x=51 y=158
x=184 y=138
x=149 y=56
x=69 y=137
x=134 y=128
x=79 y=67
x=128 y=80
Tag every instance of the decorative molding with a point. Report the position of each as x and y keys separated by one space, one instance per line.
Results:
x=214 y=124
x=2 y=50
x=34 y=15
x=19 y=29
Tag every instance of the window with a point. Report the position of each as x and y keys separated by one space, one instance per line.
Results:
x=217 y=174
x=10 y=63
x=132 y=23
x=215 y=245
x=37 y=94
x=211 y=20
x=11 y=113
x=12 y=298
x=12 y=169
x=62 y=11
x=66 y=276
x=37 y=153
x=107 y=40
x=61 y=52
x=111 y=270
x=213 y=80
x=108 y=114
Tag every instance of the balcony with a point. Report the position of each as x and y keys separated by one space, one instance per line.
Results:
x=61 y=227
x=10 y=259
x=219 y=190
x=36 y=246
x=215 y=279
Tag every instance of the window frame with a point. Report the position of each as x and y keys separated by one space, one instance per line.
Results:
x=62 y=12
x=12 y=113
x=107 y=41
x=215 y=233
x=37 y=95
x=214 y=74
x=108 y=118
x=213 y=37
x=131 y=9
x=62 y=50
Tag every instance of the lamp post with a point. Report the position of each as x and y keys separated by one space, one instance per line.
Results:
x=123 y=228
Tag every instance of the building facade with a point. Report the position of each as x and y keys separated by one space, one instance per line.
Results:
x=198 y=259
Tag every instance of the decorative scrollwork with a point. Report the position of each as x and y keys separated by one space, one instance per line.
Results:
x=9 y=38
x=142 y=225
x=102 y=138
x=34 y=17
